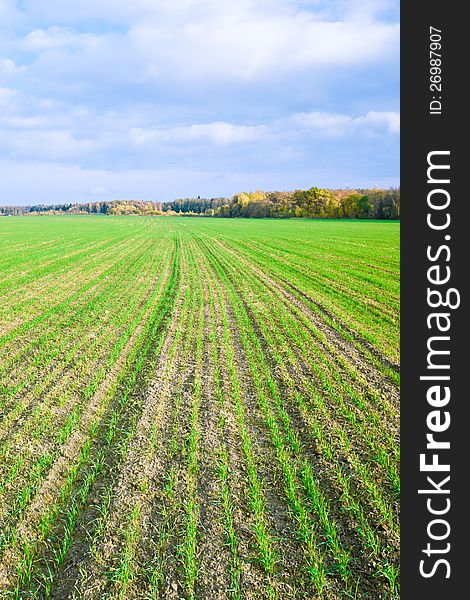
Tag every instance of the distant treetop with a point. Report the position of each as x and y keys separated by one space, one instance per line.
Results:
x=312 y=203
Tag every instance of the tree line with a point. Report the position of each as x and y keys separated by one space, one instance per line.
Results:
x=312 y=203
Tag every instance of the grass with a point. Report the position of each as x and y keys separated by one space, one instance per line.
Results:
x=198 y=408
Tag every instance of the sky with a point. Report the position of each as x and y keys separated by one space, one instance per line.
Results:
x=165 y=99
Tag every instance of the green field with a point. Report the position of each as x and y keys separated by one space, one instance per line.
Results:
x=198 y=408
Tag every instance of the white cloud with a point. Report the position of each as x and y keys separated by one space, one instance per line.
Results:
x=125 y=12
x=9 y=14
x=216 y=133
x=279 y=131
x=205 y=42
x=246 y=48
x=53 y=37
x=197 y=85
x=98 y=190
x=47 y=145
x=328 y=124
x=389 y=120
x=9 y=67
x=15 y=122
x=49 y=130
x=7 y=95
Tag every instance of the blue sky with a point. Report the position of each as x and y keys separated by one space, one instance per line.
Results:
x=160 y=99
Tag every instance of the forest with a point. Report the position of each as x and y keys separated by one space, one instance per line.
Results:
x=312 y=203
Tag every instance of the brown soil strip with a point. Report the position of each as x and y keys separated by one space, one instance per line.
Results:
x=137 y=481
x=31 y=446
x=320 y=466
x=57 y=368
x=213 y=579
x=360 y=340
x=349 y=351
x=50 y=488
x=290 y=567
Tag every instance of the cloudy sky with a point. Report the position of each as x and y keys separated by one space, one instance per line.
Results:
x=160 y=99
